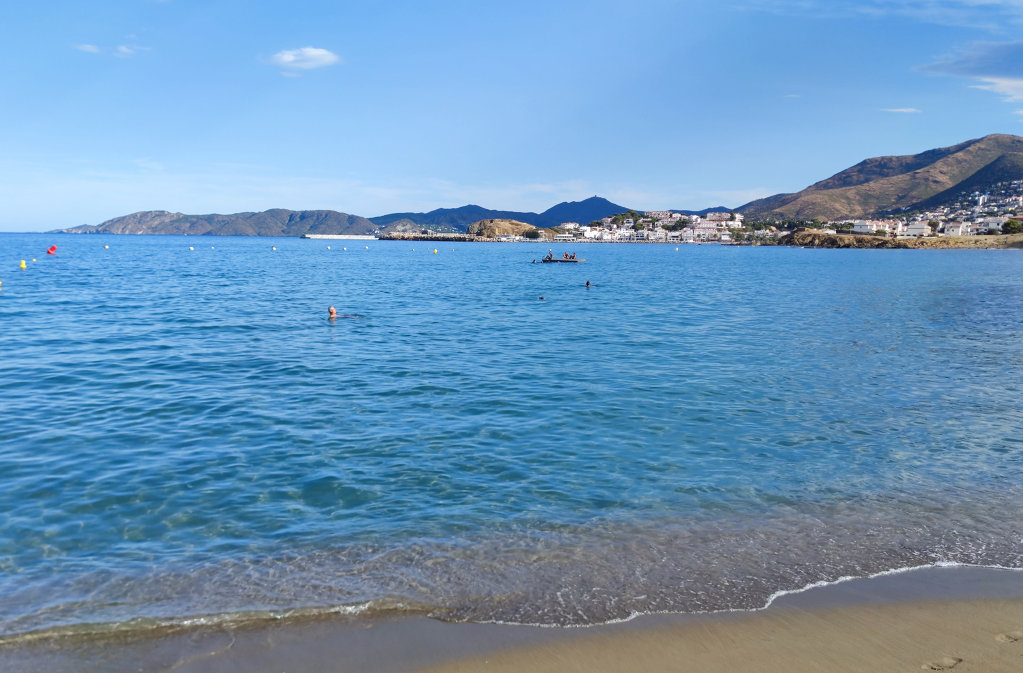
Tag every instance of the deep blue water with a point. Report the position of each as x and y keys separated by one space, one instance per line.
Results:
x=185 y=436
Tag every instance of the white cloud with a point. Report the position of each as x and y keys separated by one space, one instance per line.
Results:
x=901 y=110
x=121 y=51
x=1009 y=87
x=792 y=95
x=306 y=58
x=993 y=66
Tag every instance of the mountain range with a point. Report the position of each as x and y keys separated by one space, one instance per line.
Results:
x=870 y=188
x=280 y=222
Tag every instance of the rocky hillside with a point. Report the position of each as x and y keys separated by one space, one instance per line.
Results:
x=498 y=227
x=885 y=184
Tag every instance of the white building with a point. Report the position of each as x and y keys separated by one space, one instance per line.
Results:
x=917 y=229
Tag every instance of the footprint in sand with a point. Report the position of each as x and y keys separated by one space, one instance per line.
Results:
x=1010 y=637
x=942 y=664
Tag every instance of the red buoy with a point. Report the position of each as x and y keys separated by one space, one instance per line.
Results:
x=52 y=250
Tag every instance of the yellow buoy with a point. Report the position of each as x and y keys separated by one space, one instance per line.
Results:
x=328 y=247
x=33 y=259
x=273 y=247
x=676 y=249
x=367 y=247
x=344 y=248
x=435 y=251
x=23 y=265
x=106 y=247
x=191 y=247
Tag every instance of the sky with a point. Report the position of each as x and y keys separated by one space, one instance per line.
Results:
x=374 y=107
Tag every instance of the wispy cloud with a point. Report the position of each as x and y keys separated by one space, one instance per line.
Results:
x=994 y=66
x=792 y=95
x=306 y=58
x=984 y=59
x=1011 y=89
x=148 y=164
x=901 y=110
x=120 y=51
x=993 y=15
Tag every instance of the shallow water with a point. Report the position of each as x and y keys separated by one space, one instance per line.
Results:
x=184 y=435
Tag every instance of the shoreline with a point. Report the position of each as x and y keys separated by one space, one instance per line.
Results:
x=901 y=620
x=809 y=238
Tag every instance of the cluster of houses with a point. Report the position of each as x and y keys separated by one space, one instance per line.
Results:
x=972 y=215
x=656 y=226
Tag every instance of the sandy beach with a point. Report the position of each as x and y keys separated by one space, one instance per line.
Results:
x=962 y=619
x=960 y=635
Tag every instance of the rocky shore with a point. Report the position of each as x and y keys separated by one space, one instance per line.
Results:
x=809 y=238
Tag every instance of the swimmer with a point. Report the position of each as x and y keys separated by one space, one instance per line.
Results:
x=333 y=315
x=587 y=283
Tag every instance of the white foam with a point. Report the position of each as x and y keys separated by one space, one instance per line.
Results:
x=770 y=599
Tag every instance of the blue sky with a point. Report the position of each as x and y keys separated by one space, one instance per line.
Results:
x=107 y=108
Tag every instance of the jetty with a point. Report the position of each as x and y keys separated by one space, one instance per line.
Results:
x=341 y=237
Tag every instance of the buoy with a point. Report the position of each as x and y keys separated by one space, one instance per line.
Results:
x=52 y=250
x=344 y=248
x=106 y=247
x=676 y=249
x=328 y=247
x=367 y=247
x=33 y=259
x=23 y=265
x=435 y=251
x=212 y=248
x=273 y=247
x=191 y=247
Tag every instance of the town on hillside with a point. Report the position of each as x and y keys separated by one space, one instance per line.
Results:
x=998 y=210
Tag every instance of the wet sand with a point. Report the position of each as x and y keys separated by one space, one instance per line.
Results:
x=961 y=619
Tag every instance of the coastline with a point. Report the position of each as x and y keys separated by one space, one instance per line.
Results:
x=932 y=618
x=808 y=238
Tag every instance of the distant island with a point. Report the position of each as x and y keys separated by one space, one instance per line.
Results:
x=975 y=187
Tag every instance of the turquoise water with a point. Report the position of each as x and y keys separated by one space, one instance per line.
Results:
x=186 y=438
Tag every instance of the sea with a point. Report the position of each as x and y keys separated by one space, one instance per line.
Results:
x=187 y=441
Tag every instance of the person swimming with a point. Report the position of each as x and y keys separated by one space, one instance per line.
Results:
x=333 y=315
